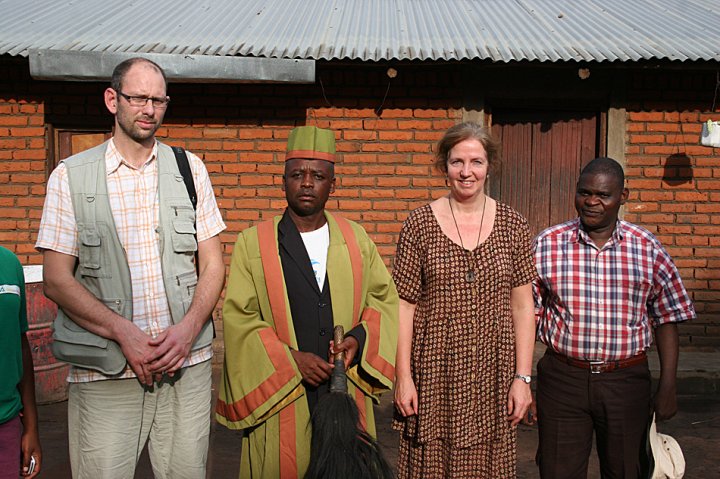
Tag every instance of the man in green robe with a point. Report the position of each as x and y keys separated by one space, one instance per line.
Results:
x=292 y=279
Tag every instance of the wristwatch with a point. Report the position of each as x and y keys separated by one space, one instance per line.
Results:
x=523 y=378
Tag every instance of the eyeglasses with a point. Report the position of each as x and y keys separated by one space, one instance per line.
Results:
x=141 y=101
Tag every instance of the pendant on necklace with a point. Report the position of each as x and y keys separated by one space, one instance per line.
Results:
x=470 y=276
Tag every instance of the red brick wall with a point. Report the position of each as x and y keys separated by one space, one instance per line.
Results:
x=385 y=169
x=240 y=131
x=22 y=164
x=26 y=107
x=675 y=183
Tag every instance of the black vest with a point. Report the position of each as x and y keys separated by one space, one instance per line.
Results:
x=311 y=309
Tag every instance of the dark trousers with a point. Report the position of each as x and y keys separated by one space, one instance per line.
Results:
x=573 y=403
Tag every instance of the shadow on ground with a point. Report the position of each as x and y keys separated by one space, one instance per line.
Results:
x=696 y=427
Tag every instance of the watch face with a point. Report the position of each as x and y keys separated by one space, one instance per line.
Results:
x=525 y=379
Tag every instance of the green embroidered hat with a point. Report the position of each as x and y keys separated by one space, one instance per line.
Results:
x=311 y=143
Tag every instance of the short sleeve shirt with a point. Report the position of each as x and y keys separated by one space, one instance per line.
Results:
x=133 y=194
x=602 y=303
x=13 y=324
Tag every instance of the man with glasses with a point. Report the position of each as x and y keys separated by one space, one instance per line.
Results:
x=136 y=271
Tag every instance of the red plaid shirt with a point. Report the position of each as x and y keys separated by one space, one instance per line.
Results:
x=602 y=304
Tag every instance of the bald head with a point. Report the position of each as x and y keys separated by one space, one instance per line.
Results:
x=605 y=166
x=121 y=70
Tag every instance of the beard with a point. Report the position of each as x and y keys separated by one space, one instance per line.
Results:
x=136 y=133
x=127 y=122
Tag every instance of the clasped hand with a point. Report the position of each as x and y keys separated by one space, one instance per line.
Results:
x=150 y=358
x=315 y=370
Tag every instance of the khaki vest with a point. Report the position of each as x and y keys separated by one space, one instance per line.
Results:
x=102 y=266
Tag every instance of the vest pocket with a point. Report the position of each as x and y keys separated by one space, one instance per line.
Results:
x=67 y=330
x=90 y=259
x=115 y=305
x=79 y=347
x=183 y=237
x=187 y=283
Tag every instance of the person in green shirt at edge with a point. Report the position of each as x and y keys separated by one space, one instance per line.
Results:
x=19 y=440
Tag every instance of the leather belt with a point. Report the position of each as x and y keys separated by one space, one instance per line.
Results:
x=597 y=367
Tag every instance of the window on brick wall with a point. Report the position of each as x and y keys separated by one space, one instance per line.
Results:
x=69 y=141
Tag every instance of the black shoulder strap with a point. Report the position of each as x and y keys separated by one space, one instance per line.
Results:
x=184 y=167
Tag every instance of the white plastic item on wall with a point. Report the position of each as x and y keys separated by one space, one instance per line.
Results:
x=710 y=133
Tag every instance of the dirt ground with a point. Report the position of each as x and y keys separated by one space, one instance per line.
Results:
x=696 y=427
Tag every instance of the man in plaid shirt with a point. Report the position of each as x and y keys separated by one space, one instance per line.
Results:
x=603 y=287
x=119 y=235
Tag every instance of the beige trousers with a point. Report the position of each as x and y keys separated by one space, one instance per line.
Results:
x=110 y=421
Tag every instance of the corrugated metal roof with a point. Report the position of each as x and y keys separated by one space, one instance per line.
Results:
x=372 y=30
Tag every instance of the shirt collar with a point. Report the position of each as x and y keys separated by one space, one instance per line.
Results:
x=113 y=158
x=579 y=234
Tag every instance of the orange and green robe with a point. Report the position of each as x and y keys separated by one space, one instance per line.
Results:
x=261 y=391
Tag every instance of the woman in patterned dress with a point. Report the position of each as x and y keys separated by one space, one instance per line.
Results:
x=463 y=270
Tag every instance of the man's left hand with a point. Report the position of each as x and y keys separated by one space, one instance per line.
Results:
x=665 y=403
x=172 y=348
x=349 y=346
x=665 y=400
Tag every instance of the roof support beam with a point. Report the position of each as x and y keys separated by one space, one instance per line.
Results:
x=67 y=65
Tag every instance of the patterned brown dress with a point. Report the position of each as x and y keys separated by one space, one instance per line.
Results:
x=463 y=351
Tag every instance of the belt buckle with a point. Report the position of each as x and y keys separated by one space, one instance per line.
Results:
x=597 y=367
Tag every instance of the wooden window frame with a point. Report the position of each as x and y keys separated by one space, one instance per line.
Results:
x=56 y=136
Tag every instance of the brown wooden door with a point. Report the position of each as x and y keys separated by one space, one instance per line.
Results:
x=542 y=155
